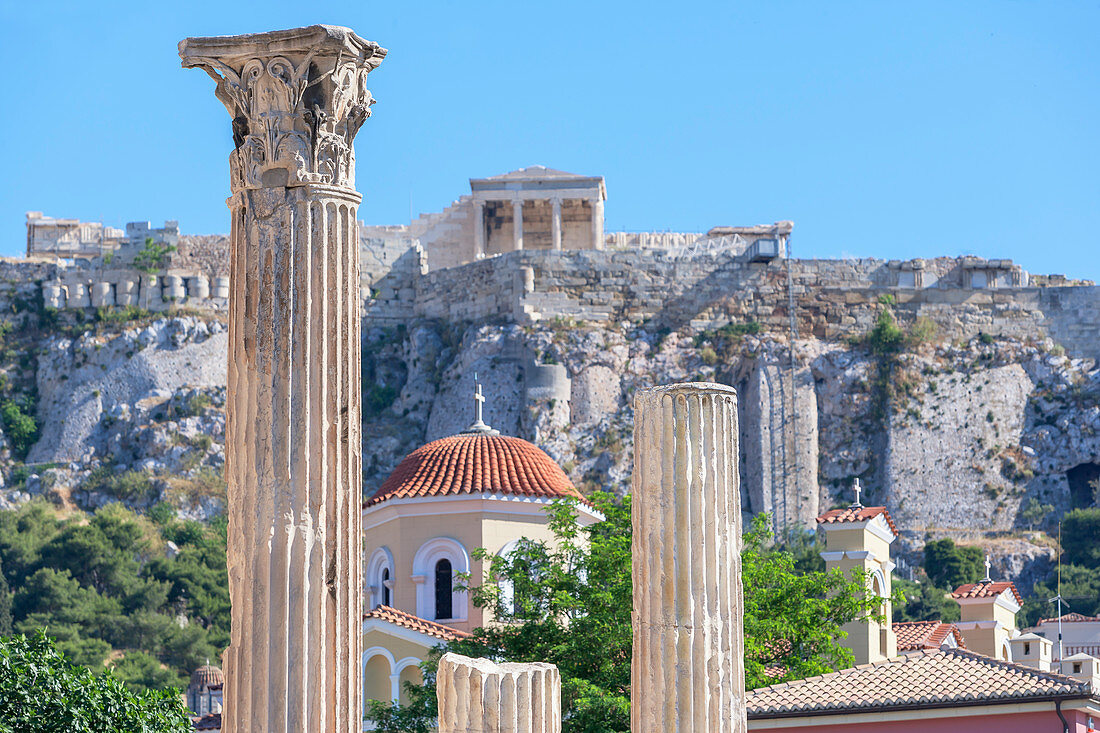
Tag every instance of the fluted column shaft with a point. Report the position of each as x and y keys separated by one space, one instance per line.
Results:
x=479 y=696
x=293 y=438
x=687 y=673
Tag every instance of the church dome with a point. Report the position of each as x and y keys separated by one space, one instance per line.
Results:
x=477 y=461
x=206 y=676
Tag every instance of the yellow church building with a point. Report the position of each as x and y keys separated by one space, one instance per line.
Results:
x=420 y=529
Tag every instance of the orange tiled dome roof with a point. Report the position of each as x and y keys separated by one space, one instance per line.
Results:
x=207 y=676
x=474 y=462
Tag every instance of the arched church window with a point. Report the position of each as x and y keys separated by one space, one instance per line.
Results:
x=444 y=585
x=385 y=587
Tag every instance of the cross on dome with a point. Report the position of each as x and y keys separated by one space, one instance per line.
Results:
x=479 y=425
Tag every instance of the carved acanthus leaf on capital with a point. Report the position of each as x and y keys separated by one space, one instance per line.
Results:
x=295 y=110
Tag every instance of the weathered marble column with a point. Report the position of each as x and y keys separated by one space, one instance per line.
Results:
x=597 y=224
x=297 y=98
x=479 y=230
x=517 y=224
x=479 y=696
x=555 y=224
x=687 y=673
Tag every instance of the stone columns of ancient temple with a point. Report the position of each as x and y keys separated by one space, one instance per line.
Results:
x=297 y=98
x=517 y=224
x=479 y=230
x=597 y=223
x=687 y=673
x=476 y=695
x=555 y=224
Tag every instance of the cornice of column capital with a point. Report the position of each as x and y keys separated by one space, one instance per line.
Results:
x=297 y=98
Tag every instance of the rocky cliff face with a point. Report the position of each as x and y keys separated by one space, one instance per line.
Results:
x=978 y=439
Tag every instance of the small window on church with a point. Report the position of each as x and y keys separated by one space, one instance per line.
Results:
x=1027 y=647
x=385 y=588
x=444 y=585
x=1076 y=667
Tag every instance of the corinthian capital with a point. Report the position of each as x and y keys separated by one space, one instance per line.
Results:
x=297 y=99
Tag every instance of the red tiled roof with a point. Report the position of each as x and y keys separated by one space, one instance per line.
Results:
x=926 y=679
x=987 y=590
x=1071 y=618
x=476 y=462
x=210 y=721
x=409 y=621
x=862 y=514
x=207 y=676
x=914 y=635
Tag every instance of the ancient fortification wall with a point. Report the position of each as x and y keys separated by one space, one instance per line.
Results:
x=833 y=298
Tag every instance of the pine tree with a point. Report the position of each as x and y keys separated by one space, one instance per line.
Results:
x=5 y=604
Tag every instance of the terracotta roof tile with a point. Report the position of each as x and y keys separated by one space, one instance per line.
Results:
x=409 y=621
x=861 y=514
x=987 y=590
x=1071 y=618
x=207 y=676
x=930 y=678
x=914 y=635
x=210 y=721
x=476 y=462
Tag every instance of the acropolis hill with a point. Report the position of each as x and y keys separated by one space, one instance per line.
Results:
x=990 y=398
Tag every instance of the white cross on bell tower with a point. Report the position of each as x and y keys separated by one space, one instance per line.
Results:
x=988 y=565
x=857 y=488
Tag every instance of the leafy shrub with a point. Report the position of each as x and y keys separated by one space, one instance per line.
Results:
x=42 y=692
x=886 y=337
x=949 y=565
x=378 y=398
x=19 y=426
x=153 y=258
x=121 y=314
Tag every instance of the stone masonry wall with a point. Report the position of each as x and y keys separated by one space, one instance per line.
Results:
x=833 y=298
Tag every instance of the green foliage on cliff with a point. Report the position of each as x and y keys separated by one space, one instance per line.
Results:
x=922 y=601
x=42 y=692
x=949 y=565
x=1081 y=538
x=570 y=606
x=102 y=583
x=153 y=258
x=20 y=427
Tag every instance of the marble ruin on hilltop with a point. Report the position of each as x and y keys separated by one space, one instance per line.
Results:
x=531 y=245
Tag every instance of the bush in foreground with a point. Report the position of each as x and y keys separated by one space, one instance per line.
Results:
x=41 y=692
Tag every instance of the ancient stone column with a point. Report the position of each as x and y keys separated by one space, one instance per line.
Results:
x=297 y=98
x=517 y=224
x=478 y=696
x=597 y=224
x=555 y=224
x=687 y=673
x=479 y=230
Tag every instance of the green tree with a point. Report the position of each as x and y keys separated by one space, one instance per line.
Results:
x=568 y=603
x=1035 y=512
x=102 y=586
x=42 y=692
x=949 y=565
x=922 y=601
x=5 y=603
x=140 y=671
x=1081 y=538
x=19 y=426
x=153 y=258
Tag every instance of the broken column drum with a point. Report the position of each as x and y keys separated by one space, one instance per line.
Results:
x=297 y=98
x=480 y=696
x=687 y=673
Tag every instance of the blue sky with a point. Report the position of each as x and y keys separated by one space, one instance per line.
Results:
x=881 y=129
